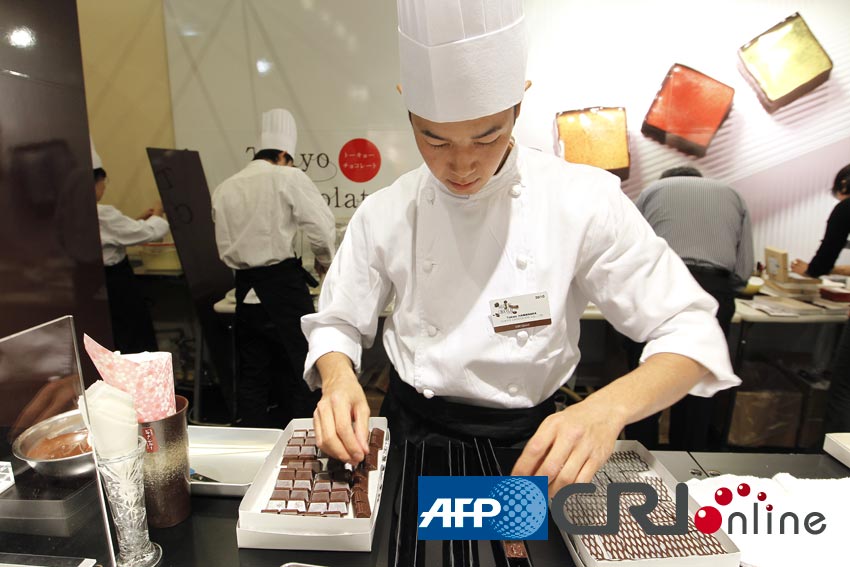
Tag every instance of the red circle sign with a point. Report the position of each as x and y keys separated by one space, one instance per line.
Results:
x=359 y=160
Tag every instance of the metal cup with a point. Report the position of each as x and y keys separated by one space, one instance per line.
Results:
x=166 y=468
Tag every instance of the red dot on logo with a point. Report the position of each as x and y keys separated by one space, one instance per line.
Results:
x=743 y=489
x=723 y=496
x=359 y=160
x=761 y=496
x=708 y=519
x=769 y=507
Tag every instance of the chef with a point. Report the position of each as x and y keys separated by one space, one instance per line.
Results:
x=257 y=213
x=132 y=327
x=486 y=222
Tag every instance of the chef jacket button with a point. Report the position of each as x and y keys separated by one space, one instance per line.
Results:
x=516 y=191
x=513 y=389
x=429 y=195
x=428 y=266
x=522 y=337
x=428 y=393
x=522 y=262
x=432 y=330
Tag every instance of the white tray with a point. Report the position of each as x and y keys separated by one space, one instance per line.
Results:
x=583 y=558
x=272 y=531
x=838 y=445
x=230 y=455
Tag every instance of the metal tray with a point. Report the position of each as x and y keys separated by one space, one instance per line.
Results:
x=229 y=455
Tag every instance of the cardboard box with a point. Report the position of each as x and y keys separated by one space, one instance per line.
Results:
x=767 y=408
x=271 y=531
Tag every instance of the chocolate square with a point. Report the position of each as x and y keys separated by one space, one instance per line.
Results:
x=341 y=507
x=362 y=509
x=289 y=512
x=332 y=514
x=302 y=485
x=285 y=484
x=320 y=497
x=280 y=495
x=337 y=485
x=340 y=496
x=295 y=442
x=276 y=505
x=303 y=475
x=300 y=505
x=300 y=494
x=299 y=433
x=286 y=474
x=317 y=507
x=307 y=451
x=291 y=451
x=269 y=511
x=322 y=486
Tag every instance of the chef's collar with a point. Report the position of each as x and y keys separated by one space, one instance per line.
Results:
x=507 y=177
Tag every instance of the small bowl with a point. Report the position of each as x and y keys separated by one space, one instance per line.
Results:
x=67 y=422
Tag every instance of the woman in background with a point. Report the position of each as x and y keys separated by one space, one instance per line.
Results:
x=837 y=418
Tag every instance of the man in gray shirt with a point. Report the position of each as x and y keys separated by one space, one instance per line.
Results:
x=707 y=224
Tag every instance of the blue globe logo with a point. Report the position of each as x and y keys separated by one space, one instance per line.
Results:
x=523 y=508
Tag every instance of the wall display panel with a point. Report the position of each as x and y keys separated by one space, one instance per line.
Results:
x=688 y=110
x=335 y=65
x=784 y=63
x=594 y=136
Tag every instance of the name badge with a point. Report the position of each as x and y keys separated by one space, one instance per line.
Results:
x=520 y=312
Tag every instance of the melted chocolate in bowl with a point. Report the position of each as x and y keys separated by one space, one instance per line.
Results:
x=61 y=446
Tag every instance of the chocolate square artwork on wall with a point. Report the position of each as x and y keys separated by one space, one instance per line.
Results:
x=784 y=63
x=688 y=110
x=594 y=136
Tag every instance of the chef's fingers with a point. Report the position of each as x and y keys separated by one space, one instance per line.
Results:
x=331 y=443
x=344 y=413
x=361 y=424
x=570 y=469
x=535 y=450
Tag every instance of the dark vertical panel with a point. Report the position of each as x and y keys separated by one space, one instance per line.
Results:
x=186 y=199
x=50 y=259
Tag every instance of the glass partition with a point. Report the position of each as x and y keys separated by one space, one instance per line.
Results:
x=55 y=507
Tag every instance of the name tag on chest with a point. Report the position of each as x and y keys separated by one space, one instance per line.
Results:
x=520 y=312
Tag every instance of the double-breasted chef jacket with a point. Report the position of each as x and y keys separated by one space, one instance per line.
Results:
x=539 y=225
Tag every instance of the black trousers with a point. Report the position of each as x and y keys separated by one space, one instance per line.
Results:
x=132 y=328
x=837 y=417
x=271 y=347
x=690 y=417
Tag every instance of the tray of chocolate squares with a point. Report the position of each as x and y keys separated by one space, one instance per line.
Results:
x=302 y=499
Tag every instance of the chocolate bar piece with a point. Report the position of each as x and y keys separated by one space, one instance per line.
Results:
x=307 y=451
x=291 y=451
x=285 y=484
x=292 y=464
x=304 y=475
x=322 y=486
x=300 y=505
x=295 y=442
x=303 y=485
x=309 y=442
x=286 y=474
x=340 y=496
x=341 y=507
x=280 y=495
x=289 y=512
x=299 y=433
x=332 y=514
x=376 y=438
x=320 y=497
x=276 y=505
x=362 y=509
x=269 y=511
x=317 y=507
x=314 y=466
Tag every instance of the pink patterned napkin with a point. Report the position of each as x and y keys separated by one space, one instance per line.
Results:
x=147 y=376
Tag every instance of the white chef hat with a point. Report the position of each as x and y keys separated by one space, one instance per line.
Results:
x=461 y=59
x=96 y=162
x=278 y=131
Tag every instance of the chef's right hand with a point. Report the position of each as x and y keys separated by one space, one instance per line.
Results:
x=341 y=419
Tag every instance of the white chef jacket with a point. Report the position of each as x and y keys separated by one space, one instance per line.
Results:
x=541 y=224
x=118 y=231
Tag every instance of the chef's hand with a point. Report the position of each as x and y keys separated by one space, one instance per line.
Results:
x=146 y=215
x=341 y=419
x=570 y=446
x=157 y=209
x=320 y=268
x=799 y=267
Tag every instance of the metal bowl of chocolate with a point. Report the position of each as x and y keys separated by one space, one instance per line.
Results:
x=57 y=446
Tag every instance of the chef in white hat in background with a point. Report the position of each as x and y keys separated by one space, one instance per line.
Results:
x=132 y=328
x=484 y=221
x=257 y=213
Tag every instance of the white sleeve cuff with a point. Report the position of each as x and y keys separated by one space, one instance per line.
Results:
x=327 y=339
x=706 y=346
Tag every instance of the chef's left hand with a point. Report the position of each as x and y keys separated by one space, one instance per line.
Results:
x=799 y=267
x=570 y=446
x=320 y=268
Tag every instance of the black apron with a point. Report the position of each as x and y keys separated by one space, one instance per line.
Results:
x=415 y=418
x=282 y=289
x=132 y=327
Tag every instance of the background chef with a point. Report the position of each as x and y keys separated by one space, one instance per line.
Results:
x=257 y=212
x=482 y=221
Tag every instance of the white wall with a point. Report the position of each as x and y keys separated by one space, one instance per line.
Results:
x=334 y=64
